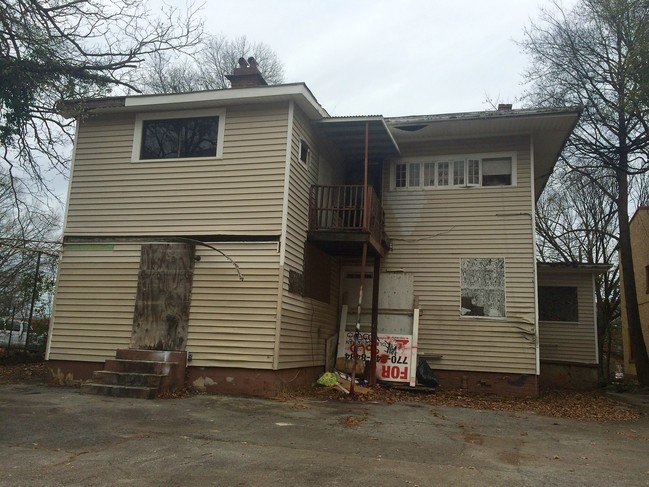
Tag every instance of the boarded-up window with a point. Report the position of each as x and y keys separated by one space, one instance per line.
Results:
x=295 y=282
x=482 y=287
x=558 y=303
x=317 y=273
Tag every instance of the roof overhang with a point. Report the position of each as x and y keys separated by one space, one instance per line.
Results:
x=572 y=267
x=347 y=134
x=297 y=92
x=548 y=129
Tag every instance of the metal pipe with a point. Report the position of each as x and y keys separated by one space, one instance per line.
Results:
x=31 y=306
x=358 y=318
x=374 y=339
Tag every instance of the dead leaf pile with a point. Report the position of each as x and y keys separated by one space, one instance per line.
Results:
x=583 y=406
x=26 y=373
x=352 y=421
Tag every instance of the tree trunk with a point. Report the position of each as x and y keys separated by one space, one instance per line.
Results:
x=628 y=277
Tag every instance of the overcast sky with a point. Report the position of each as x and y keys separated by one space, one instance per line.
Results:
x=406 y=57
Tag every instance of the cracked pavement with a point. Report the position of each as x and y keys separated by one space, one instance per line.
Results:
x=56 y=436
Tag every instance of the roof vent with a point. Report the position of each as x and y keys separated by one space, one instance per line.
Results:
x=246 y=75
x=504 y=107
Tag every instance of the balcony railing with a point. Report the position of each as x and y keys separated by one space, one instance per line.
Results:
x=342 y=209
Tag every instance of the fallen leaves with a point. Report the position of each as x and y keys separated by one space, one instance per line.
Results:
x=582 y=406
x=352 y=421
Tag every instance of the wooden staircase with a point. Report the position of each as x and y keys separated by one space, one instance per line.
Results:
x=139 y=374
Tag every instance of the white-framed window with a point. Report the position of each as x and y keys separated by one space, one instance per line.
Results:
x=482 y=283
x=179 y=135
x=474 y=170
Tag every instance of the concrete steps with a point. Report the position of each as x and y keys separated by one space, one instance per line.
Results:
x=139 y=374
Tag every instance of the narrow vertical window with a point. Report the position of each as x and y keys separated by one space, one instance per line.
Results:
x=414 y=169
x=400 y=175
x=442 y=173
x=304 y=152
x=429 y=174
x=473 y=172
x=458 y=173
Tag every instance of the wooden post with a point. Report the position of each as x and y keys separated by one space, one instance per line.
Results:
x=415 y=338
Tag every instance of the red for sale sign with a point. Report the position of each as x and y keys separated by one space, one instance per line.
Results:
x=394 y=356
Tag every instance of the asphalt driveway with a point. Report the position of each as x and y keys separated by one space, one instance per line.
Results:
x=56 y=436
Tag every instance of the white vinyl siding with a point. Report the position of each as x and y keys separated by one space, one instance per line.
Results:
x=574 y=341
x=431 y=231
x=240 y=193
x=305 y=323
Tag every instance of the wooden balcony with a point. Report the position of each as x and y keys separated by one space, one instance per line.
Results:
x=338 y=223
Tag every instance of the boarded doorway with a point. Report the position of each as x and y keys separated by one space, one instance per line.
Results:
x=164 y=290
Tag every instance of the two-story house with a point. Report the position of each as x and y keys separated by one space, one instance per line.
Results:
x=232 y=227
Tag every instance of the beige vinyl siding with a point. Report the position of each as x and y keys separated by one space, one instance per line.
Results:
x=95 y=299
x=240 y=194
x=431 y=230
x=305 y=323
x=232 y=322
x=639 y=226
x=570 y=342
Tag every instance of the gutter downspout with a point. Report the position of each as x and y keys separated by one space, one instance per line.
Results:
x=363 y=263
x=284 y=236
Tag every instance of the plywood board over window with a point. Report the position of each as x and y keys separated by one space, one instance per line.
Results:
x=483 y=287
x=317 y=273
x=558 y=303
x=160 y=320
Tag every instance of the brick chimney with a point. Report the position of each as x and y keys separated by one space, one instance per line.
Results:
x=246 y=75
x=504 y=107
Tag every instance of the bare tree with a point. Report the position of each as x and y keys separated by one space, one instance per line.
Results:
x=65 y=49
x=21 y=241
x=576 y=222
x=595 y=55
x=206 y=68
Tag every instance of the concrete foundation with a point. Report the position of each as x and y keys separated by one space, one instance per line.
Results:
x=211 y=380
x=566 y=375
x=500 y=383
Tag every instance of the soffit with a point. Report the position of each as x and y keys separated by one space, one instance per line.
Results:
x=297 y=92
x=347 y=134
x=548 y=129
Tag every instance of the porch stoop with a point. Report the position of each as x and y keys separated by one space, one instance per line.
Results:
x=139 y=374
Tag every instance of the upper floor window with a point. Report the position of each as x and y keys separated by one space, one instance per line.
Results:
x=304 y=152
x=178 y=135
x=455 y=172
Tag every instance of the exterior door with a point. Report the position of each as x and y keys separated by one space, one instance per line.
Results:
x=164 y=290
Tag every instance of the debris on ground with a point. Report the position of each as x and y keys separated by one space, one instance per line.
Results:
x=352 y=421
x=583 y=406
x=25 y=373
